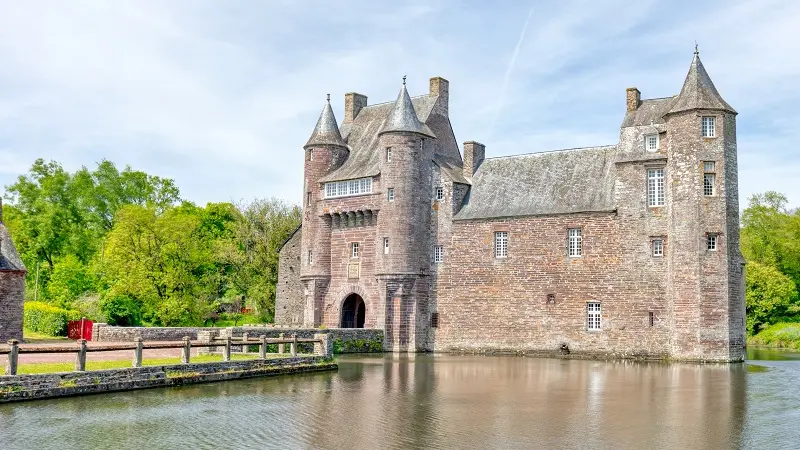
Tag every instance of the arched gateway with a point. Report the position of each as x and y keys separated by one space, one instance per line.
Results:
x=353 y=312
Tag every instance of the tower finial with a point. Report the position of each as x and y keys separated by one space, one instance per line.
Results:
x=404 y=80
x=696 y=52
x=329 y=98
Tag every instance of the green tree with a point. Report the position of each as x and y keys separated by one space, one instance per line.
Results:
x=70 y=279
x=771 y=234
x=771 y=296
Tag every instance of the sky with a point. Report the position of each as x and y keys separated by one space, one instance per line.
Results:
x=221 y=96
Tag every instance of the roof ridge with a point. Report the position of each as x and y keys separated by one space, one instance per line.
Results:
x=660 y=98
x=393 y=101
x=553 y=151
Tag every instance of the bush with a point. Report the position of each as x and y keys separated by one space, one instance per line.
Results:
x=121 y=310
x=785 y=335
x=48 y=319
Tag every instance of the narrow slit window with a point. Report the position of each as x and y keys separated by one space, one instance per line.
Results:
x=651 y=319
x=311 y=154
x=501 y=244
x=389 y=154
x=386 y=246
x=655 y=187
x=390 y=194
x=709 y=178
x=575 y=242
x=310 y=257
x=593 y=318
x=308 y=198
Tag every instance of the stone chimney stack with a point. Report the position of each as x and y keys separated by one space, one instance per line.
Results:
x=441 y=87
x=353 y=103
x=474 y=154
x=634 y=98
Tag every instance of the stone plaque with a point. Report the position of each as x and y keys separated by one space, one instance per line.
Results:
x=352 y=270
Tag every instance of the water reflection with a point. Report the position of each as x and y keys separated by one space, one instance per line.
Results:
x=435 y=402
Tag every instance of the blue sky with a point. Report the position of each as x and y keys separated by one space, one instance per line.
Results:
x=221 y=96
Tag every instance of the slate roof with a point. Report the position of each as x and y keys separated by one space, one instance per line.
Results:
x=556 y=182
x=650 y=111
x=403 y=117
x=361 y=136
x=9 y=258
x=698 y=91
x=327 y=130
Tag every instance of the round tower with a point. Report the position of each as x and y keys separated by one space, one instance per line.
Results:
x=325 y=151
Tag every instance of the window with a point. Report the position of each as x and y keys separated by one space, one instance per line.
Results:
x=310 y=257
x=438 y=254
x=386 y=246
x=651 y=142
x=658 y=247
x=593 y=316
x=651 y=318
x=575 y=245
x=390 y=194
x=439 y=193
x=389 y=154
x=551 y=299
x=711 y=242
x=655 y=187
x=709 y=177
x=501 y=244
x=308 y=198
x=354 y=248
x=708 y=127
x=311 y=154
x=435 y=320
x=348 y=188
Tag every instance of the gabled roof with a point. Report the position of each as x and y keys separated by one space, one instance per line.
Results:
x=327 y=130
x=403 y=117
x=9 y=258
x=556 y=182
x=649 y=112
x=361 y=136
x=698 y=91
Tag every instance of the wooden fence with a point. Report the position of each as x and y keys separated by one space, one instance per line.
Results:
x=14 y=349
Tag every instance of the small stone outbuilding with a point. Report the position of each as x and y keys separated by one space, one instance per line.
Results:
x=12 y=286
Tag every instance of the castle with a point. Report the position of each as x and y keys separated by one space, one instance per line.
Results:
x=626 y=250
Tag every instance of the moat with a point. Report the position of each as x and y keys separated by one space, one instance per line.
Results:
x=440 y=402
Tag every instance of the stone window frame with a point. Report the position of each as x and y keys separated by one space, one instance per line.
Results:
x=709 y=178
x=439 y=193
x=656 y=193
x=386 y=246
x=389 y=154
x=647 y=138
x=501 y=241
x=390 y=194
x=713 y=242
x=438 y=254
x=308 y=198
x=354 y=249
x=594 y=316
x=575 y=236
x=657 y=247
x=708 y=126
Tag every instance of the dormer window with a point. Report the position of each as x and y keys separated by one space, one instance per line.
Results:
x=709 y=127
x=651 y=142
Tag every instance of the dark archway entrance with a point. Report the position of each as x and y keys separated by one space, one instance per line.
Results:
x=353 y=312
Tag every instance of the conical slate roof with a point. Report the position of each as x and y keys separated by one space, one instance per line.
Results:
x=402 y=117
x=327 y=130
x=698 y=91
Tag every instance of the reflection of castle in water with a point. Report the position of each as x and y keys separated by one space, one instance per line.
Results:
x=430 y=402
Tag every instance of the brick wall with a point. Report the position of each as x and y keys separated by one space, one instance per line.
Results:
x=12 y=298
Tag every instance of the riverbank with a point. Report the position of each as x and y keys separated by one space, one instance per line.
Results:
x=779 y=335
x=66 y=384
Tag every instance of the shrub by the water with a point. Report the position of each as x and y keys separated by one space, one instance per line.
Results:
x=785 y=335
x=48 y=319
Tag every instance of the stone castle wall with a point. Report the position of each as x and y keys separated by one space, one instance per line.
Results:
x=12 y=299
x=290 y=310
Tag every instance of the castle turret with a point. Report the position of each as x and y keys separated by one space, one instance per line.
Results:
x=705 y=283
x=404 y=223
x=325 y=151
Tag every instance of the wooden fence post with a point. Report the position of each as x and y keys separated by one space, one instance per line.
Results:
x=137 y=352
x=244 y=343
x=13 y=357
x=226 y=352
x=281 y=347
x=186 y=356
x=80 y=361
x=293 y=348
x=263 y=349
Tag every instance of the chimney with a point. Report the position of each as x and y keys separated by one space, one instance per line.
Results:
x=474 y=153
x=634 y=98
x=353 y=103
x=441 y=87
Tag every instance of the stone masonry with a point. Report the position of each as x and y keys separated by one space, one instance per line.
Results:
x=400 y=227
x=12 y=286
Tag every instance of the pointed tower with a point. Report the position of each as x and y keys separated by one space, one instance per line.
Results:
x=705 y=286
x=325 y=151
x=403 y=224
x=12 y=286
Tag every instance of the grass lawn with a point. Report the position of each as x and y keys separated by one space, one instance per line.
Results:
x=783 y=335
x=34 y=336
x=35 y=368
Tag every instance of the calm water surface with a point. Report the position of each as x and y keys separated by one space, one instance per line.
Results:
x=440 y=402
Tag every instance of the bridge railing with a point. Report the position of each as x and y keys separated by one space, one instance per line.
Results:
x=321 y=342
